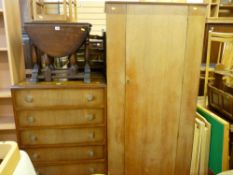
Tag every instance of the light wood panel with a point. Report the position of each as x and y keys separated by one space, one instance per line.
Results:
x=7 y=123
x=45 y=98
x=154 y=71
x=14 y=41
x=153 y=91
x=72 y=169
x=61 y=117
x=6 y=109
x=60 y=136
x=66 y=153
x=11 y=63
x=5 y=77
x=194 y=44
x=116 y=21
x=5 y=93
x=2 y=32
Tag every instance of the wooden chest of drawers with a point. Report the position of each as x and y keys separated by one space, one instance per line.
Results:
x=62 y=126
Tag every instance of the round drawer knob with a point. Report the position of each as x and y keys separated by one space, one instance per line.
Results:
x=92 y=170
x=91 y=153
x=90 y=117
x=33 y=138
x=28 y=99
x=35 y=156
x=92 y=135
x=31 y=119
x=90 y=97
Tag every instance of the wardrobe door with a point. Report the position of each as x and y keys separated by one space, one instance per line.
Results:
x=194 y=45
x=116 y=22
x=155 y=50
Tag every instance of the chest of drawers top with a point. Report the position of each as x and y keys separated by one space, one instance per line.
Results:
x=98 y=82
x=58 y=94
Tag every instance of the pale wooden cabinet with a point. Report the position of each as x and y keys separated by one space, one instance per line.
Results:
x=11 y=64
x=153 y=59
x=62 y=126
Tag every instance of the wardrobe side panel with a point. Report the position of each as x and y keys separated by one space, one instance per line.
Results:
x=194 y=45
x=116 y=22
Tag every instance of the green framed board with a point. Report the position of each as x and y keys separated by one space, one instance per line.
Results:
x=219 y=141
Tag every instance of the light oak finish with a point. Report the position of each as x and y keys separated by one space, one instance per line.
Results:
x=160 y=83
x=2 y=32
x=14 y=41
x=65 y=10
x=11 y=60
x=49 y=98
x=5 y=94
x=56 y=117
x=66 y=153
x=4 y=72
x=152 y=85
x=116 y=25
x=61 y=136
x=62 y=125
x=7 y=123
x=6 y=109
x=192 y=61
x=71 y=169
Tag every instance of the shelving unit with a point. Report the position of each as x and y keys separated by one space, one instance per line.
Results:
x=62 y=10
x=11 y=64
x=213 y=8
x=219 y=10
x=5 y=94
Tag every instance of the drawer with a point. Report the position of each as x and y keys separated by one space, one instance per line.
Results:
x=60 y=117
x=72 y=169
x=66 y=153
x=59 y=136
x=59 y=97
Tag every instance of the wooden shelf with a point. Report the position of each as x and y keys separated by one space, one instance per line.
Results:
x=11 y=64
x=5 y=93
x=222 y=6
x=7 y=123
x=220 y=20
x=3 y=49
x=214 y=4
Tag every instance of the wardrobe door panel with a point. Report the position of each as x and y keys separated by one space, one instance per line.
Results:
x=194 y=46
x=116 y=23
x=155 y=49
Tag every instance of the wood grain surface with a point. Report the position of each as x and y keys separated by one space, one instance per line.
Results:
x=116 y=88
x=156 y=49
